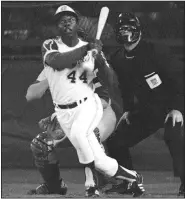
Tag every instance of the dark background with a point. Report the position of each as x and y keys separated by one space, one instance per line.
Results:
x=25 y=25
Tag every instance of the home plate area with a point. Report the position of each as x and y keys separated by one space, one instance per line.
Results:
x=17 y=182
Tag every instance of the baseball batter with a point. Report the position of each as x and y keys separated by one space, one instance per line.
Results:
x=74 y=98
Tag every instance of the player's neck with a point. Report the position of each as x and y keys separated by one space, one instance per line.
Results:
x=70 y=41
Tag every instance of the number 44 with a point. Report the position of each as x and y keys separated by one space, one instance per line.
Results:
x=72 y=76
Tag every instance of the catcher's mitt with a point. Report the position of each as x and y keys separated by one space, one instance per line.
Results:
x=52 y=126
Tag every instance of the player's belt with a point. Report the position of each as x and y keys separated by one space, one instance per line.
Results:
x=72 y=105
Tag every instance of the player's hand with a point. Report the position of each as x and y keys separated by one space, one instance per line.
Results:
x=96 y=46
x=176 y=117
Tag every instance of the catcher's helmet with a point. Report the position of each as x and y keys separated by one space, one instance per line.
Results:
x=127 y=29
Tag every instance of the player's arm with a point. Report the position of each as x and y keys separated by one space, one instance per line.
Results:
x=125 y=85
x=38 y=88
x=172 y=75
x=170 y=71
x=57 y=60
x=127 y=94
x=106 y=73
x=101 y=90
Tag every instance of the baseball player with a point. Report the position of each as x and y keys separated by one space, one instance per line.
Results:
x=69 y=79
x=53 y=133
x=155 y=79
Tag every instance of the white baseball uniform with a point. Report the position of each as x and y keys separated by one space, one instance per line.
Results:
x=74 y=85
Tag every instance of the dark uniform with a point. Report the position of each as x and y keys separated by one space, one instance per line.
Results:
x=155 y=81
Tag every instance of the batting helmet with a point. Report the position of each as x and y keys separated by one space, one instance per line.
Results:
x=127 y=29
x=63 y=10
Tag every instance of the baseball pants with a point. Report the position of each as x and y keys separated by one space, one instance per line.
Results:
x=78 y=125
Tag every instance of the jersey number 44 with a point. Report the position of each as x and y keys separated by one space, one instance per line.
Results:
x=82 y=77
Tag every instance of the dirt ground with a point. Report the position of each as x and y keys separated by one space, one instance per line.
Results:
x=16 y=183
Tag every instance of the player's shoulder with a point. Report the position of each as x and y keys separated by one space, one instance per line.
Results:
x=145 y=47
x=50 y=44
x=154 y=50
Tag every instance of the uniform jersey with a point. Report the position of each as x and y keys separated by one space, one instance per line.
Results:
x=99 y=87
x=70 y=84
x=104 y=90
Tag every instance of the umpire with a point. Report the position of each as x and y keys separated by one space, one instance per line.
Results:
x=152 y=89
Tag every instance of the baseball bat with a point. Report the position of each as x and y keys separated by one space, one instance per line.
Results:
x=102 y=20
x=92 y=53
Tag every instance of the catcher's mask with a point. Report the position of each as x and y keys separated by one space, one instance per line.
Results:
x=63 y=10
x=127 y=29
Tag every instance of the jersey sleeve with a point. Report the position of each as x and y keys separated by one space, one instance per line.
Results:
x=106 y=72
x=54 y=58
x=100 y=87
x=48 y=48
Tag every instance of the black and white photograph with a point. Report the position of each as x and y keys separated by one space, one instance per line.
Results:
x=92 y=99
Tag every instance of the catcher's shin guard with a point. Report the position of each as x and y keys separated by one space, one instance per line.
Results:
x=51 y=175
x=46 y=161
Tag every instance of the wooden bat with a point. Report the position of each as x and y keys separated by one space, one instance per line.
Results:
x=89 y=63
x=102 y=20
